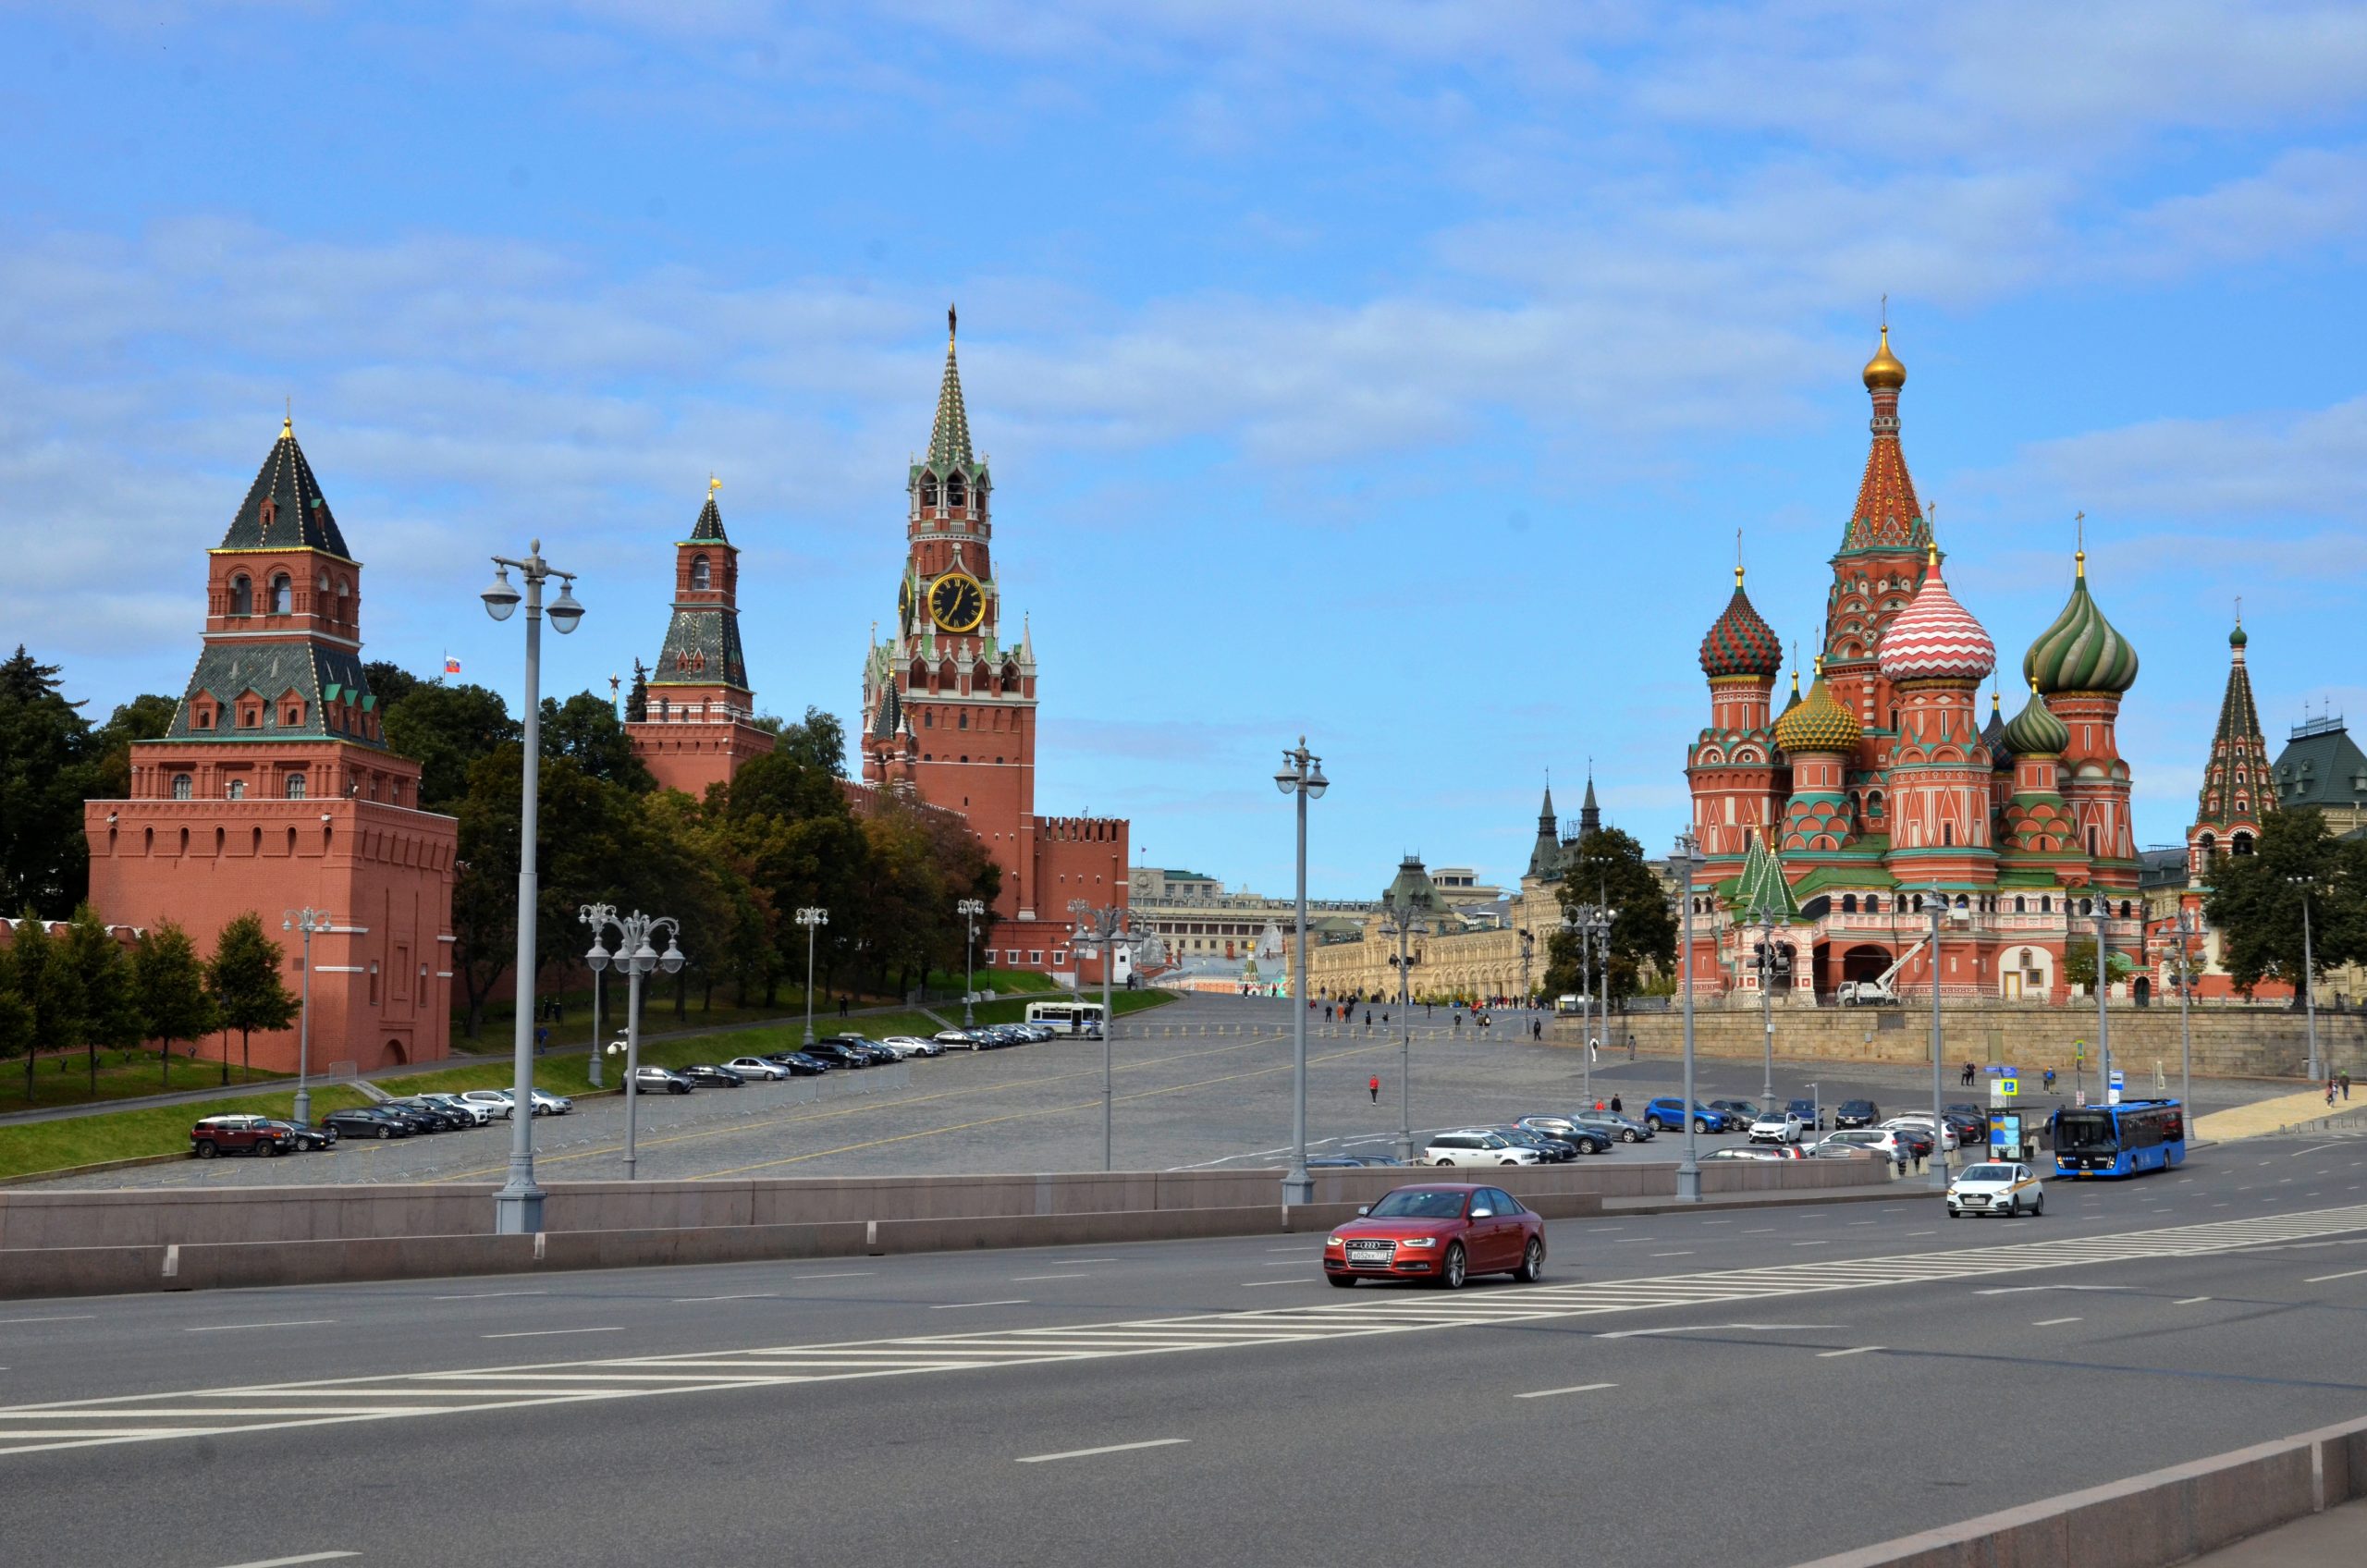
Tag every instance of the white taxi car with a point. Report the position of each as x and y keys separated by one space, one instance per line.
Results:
x=1996 y=1187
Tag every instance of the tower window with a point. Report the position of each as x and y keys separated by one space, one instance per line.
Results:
x=928 y=490
x=1948 y=835
x=283 y=596
x=242 y=595
x=182 y=785
x=954 y=494
x=701 y=574
x=964 y=722
x=295 y=785
x=237 y=790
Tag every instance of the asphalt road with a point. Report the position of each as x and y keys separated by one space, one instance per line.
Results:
x=1685 y=1388
x=1204 y=1082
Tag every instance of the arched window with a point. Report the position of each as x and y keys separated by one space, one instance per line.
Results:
x=1873 y=904
x=295 y=785
x=344 y=600
x=928 y=489
x=2022 y=906
x=964 y=722
x=929 y=719
x=1848 y=903
x=1948 y=835
x=242 y=595
x=236 y=791
x=2092 y=840
x=2243 y=844
x=182 y=785
x=955 y=494
x=701 y=574
x=283 y=596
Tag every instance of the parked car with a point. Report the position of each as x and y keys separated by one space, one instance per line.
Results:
x=1751 y=1151
x=241 y=1135
x=958 y=1039
x=420 y=1118
x=1856 y=1113
x=1441 y=1232
x=799 y=1065
x=1626 y=1128
x=475 y=1115
x=660 y=1080
x=913 y=1045
x=440 y=1118
x=1742 y=1111
x=1666 y=1114
x=1552 y=1151
x=1828 y=1149
x=545 y=1102
x=874 y=1054
x=366 y=1122
x=757 y=1067
x=1919 y=1123
x=1914 y=1136
x=1884 y=1141
x=1477 y=1148
x=1778 y=1127
x=1586 y=1140
x=494 y=1100
x=310 y=1135
x=835 y=1055
x=707 y=1075
x=1995 y=1187
x=1809 y=1111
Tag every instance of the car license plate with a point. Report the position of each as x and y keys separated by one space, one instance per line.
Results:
x=1370 y=1252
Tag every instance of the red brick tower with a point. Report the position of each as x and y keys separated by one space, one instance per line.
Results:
x=696 y=729
x=1734 y=768
x=273 y=790
x=2236 y=791
x=949 y=704
x=2084 y=666
x=1934 y=657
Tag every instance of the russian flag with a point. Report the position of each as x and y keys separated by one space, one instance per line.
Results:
x=451 y=665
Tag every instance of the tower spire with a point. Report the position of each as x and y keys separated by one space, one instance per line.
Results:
x=949 y=437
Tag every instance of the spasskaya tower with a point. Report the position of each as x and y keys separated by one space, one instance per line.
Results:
x=949 y=702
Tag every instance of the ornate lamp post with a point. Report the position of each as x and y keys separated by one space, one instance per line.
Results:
x=1591 y=922
x=1528 y=951
x=969 y=909
x=1764 y=918
x=307 y=920
x=2104 y=993
x=1402 y=921
x=1939 y=1124
x=1098 y=931
x=1685 y=860
x=636 y=957
x=517 y=1207
x=2187 y=932
x=599 y=918
x=1301 y=775
x=2309 y=972
x=813 y=919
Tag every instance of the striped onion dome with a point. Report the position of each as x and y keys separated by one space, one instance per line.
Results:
x=2082 y=651
x=1740 y=642
x=1934 y=638
x=1818 y=724
x=2036 y=732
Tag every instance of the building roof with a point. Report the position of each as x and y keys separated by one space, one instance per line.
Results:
x=2321 y=766
x=709 y=526
x=1740 y=641
x=2035 y=731
x=284 y=508
x=1992 y=737
x=327 y=678
x=2082 y=651
x=948 y=437
x=1818 y=724
x=1935 y=638
x=2232 y=786
x=1887 y=516
x=1762 y=884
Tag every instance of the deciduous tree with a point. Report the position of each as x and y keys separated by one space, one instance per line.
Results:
x=447 y=730
x=49 y=988
x=45 y=774
x=243 y=977
x=169 y=980
x=110 y=1005
x=2256 y=903
x=1608 y=867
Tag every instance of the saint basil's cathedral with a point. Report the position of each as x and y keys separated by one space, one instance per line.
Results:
x=1882 y=789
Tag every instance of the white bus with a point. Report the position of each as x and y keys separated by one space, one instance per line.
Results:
x=1071 y=1018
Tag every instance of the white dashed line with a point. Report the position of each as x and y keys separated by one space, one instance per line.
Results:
x=1572 y=1389
x=1113 y=1448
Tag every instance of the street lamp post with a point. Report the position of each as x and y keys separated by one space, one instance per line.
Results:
x=307 y=920
x=1528 y=951
x=1403 y=921
x=599 y=918
x=1591 y=925
x=1098 y=931
x=813 y=919
x=1765 y=920
x=1685 y=862
x=1939 y=1124
x=2103 y=995
x=1301 y=775
x=2187 y=933
x=2309 y=973
x=636 y=957
x=517 y=1207
x=1601 y=919
x=969 y=909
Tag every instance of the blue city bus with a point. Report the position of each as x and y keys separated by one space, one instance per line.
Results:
x=2119 y=1140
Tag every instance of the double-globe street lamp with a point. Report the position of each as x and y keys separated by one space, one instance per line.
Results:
x=1764 y=918
x=1685 y=864
x=635 y=956
x=1302 y=775
x=812 y=918
x=2309 y=972
x=970 y=910
x=517 y=1207
x=1403 y=921
x=1939 y=1123
x=598 y=917
x=1591 y=925
x=309 y=922
x=2187 y=932
x=1101 y=930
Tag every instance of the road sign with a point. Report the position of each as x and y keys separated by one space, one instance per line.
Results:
x=2112 y=1090
x=2009 y=1087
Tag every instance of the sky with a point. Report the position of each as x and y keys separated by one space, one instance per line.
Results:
x=1394 y=374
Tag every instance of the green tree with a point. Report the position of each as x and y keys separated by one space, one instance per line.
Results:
x=110 y=1003
x=146 y=717
x=2080 y=963
x=1608 y=867
x=390 y=684
x=586 y=732
x=2256 y=903
x=49 y=988
x=244 y=978
x=169 y=980
x=447 y=730
x=16 y=1013
x=46 y=775
x=819 y=740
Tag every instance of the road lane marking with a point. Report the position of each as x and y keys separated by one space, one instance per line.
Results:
x=2052 y=1322
x=69 y=1318
x=1023 y=1279
x=1853 y=1350
x=1812 y=1243
x=538 y=1333
x=1113 y=1448
x=958 y=1306
x=2322 y=1279
x=1572 y=1389
x=840 y=1274
x=1671 y=1255
x=228 y=1327
x=751 y=1295
x=1715 y=1328
x=1260 y=1285
x=2190 y=1301
x=488 y=1295
x=291 y=1561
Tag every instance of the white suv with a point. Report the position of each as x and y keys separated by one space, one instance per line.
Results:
x=1777 y=1127
x=1476 y=1148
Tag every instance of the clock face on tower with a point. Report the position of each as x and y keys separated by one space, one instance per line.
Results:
x=904 y=603
x=957 y=602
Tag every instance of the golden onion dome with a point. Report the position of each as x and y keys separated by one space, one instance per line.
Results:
x=1818 y=724
x=1884 y=369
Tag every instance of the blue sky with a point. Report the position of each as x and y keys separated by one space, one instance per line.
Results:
x=1394 y=373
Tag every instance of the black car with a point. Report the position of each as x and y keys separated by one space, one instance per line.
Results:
x=710 y=1077
x=873 y=1055
x=1971 y=1131
x=306 y=1135
x=837 y=1055
x=800 y=1065
x=1552 y=1151
x=1744 y=1112
x=1856 y=1113
x=659 y=1080
x=367 y=1122
x=1579 y=1137
x=438 y=1119
x=1627 y=1129
x=1812 y=1116
x=1919 y=1141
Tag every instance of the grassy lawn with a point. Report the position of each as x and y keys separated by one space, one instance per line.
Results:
x=127 y=1134
x=63 y=1077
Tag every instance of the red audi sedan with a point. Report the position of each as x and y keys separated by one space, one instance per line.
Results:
x=1440 y=1230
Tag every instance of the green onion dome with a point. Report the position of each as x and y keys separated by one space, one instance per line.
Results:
x=2236 y=639
x=2082 y=651
x=2036 y=732
x=1818 y=724
x=1740 y=642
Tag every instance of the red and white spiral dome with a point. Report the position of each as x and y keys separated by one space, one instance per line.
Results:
x=1935 y=638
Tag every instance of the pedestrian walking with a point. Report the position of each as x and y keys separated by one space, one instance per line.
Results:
x=2345 y=1082
x=1458 y=1020
x=844 y=1002
x=1967 y=1079
x=1375 y=1088
x=542 y=1038
x=1615 y=1109
x=1367 y=1018
x=1537 y=1028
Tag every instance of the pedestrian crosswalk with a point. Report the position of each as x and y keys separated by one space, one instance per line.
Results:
x=260 y=1407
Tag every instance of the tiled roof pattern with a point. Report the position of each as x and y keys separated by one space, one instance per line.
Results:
x=2323 y=769
x=1935 y=638
x=1818 y=724
x=1740 y=642
x=888 y=714
x=284 y=508
x=702 y=649
x=709 y=526
x=2082 y=651
x=949 y=437
x=1992 y=738
x=226 y=671
x=2237 y=746
x=1762 y=884
x=2036 y=732
x=1887 y=516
